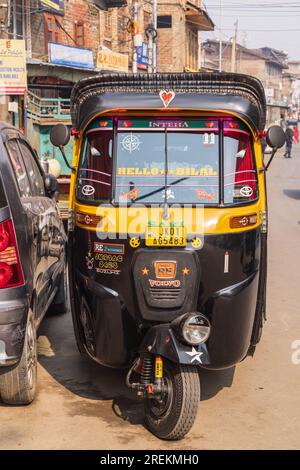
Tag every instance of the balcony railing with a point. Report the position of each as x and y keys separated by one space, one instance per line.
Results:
x=48 y=109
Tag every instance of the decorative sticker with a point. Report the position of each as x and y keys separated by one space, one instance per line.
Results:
x=131 y=143
x=100 y=247
x=88 y=190
x=246 y=191
x=156 y=283
x=178 y=124
x=203 y=195
x=209 y=139
x=168 y=194
x=226 y=262
x=130 y=196
x=195 y=356
x=134 y=242
x=167 y=97
x=179 y=171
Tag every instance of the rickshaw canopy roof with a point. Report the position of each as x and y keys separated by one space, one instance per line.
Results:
x=240 y=94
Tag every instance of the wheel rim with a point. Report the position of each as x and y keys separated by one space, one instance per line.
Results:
x=159 y=408
x=31 y=355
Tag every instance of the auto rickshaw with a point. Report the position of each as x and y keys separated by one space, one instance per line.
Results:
x=168 y=230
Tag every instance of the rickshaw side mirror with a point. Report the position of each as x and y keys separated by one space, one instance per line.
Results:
x=275 y=137
x=60 y=135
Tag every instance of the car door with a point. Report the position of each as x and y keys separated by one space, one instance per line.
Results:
x=53 y=225
x=30 y=184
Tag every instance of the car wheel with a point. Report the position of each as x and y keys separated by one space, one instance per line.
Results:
x=18 y=386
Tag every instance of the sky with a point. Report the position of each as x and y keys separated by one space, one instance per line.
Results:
x=271 y=23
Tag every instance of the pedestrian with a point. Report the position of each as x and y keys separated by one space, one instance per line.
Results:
x=289 y=141
x=296 y=135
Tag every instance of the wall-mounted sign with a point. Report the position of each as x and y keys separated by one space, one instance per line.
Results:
x=60 y=54
x=53 y=6
x=13 y=80
x=142 y=56
x=113 y=61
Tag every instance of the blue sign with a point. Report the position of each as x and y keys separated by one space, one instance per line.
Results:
x=53 y=6
x=142 y=56
x=60 y=54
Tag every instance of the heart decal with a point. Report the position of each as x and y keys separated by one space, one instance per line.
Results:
x=166 y=97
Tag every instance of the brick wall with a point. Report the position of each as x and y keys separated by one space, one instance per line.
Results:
x=171 y=42
x=75 y=10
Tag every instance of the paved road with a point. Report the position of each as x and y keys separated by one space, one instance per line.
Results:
x=83 y=406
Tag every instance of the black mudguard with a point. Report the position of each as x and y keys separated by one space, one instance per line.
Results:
x=161 y=340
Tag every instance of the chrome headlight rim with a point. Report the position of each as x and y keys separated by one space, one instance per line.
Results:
x=181 y=323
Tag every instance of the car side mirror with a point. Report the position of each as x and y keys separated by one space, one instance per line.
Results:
x=275 y=138
x=51 y=185
x=60 y=135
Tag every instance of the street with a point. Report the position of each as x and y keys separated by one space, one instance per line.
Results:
x=80 y=405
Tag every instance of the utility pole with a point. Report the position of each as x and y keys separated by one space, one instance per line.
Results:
x=233 y=49
x=27 y=29
x=154 y=54
x=220 y=43
x=135 y=18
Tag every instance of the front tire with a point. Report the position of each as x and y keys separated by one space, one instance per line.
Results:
x=174 y=417
x=18 y=386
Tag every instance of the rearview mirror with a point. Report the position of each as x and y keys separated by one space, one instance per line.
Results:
x=51 y=185
x=60 y=135
x=275 y=137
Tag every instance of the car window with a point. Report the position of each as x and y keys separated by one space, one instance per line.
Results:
x=33 y=171
x=19 y=168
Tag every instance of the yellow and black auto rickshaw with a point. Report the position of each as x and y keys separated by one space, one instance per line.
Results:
x=168 y=230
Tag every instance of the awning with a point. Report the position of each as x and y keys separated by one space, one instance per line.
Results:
x=71 y=74
x=105 y=4
x=198 y=18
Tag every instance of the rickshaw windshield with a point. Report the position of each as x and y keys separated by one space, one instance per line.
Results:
x=174 y=160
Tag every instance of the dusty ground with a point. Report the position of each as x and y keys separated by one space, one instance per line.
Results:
x=255 y=406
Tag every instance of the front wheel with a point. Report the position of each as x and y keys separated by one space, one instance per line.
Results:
x=172 y=417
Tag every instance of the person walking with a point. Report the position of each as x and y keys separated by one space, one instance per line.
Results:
x=296 y=135
x=289 y=141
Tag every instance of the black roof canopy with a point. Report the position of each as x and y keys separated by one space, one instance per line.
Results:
x=225 y=92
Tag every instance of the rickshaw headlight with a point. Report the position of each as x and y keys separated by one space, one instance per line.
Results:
x=195 y=329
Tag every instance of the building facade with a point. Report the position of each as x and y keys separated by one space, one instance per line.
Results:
x=267 y=64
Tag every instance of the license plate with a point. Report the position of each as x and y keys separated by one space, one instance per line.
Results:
x=166 y=236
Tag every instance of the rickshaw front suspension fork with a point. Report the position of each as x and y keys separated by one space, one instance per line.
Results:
x=151 y=383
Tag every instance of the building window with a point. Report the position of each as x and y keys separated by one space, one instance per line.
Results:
x=164 y=21
x=107 y=23
x=53 y=32
x=79 y=33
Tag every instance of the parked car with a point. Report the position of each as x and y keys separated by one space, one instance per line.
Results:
x=32 y=262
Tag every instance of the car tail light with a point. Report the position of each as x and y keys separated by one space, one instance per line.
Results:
x=10 y=267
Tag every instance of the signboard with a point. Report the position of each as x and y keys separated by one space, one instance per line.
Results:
x=53 y=6
x=142 y=56
x=113 y=61
x=13 y=79
x=269 y=92
x=69 y=56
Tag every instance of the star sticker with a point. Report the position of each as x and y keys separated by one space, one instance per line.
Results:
x=195 y=355
x=145 y=272
x=186 y=271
